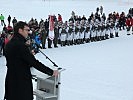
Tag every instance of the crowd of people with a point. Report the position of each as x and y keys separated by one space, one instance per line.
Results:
x=77 y=30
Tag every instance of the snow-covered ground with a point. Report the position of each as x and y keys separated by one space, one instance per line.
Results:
x=94 y=71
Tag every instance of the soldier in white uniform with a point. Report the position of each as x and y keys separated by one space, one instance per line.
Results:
x=107 y=33
x=82 y=31
x=70 y=34
x=92 y=29
x=63 y=34
x=76 y=33
x=116 y=29
x=87 y=33
x=103 y=32
x=102 y=28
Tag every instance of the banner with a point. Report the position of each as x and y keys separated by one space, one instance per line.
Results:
x=51 y=27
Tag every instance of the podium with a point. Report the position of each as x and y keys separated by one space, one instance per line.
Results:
x=47 y=87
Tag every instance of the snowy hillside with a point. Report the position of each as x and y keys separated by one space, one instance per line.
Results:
x=94 y=71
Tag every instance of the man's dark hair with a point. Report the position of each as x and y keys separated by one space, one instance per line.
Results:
x=19 y=25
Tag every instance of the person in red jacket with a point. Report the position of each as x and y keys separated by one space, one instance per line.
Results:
x=59 y=18
x=128 y=24
x=132 y=24
x=9 y=29
x=6 y=40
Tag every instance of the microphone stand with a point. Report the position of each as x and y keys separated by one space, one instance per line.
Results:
x=46 y=56
x=54 y=64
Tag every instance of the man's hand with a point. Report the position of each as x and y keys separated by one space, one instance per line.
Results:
x=55 y=73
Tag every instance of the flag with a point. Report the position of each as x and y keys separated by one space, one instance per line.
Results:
x=51 y=27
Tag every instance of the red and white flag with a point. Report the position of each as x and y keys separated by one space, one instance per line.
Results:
x=51 y=27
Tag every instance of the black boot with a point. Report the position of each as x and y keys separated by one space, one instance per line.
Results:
x=106 y=36
x=116 y=34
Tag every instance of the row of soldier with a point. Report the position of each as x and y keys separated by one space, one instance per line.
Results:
x=84 y=32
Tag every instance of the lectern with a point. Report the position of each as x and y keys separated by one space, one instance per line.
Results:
x=47 y=87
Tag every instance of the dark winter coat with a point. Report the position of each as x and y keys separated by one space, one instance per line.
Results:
x=70 y=30
x=76 y=29
x=1 y=42
x=9 y=18
x=44 y=37
x=82 y=29
x=18 y=83
x=14 y=21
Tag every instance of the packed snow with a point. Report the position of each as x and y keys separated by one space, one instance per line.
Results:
x=94 y=71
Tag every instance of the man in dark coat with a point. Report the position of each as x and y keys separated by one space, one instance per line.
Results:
x=9 y=20
x=56 y=34
x=14 y=21
x=18 y=83
x=43 y=37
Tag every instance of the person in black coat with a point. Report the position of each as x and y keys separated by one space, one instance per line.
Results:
x=19 y=59
x=9 y=20
x=14 y=21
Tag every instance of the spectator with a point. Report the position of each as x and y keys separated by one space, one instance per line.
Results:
x=46 y=23
x=1 y=43
x=59 y=18
x=101 y=10
x=43 y=37
x=128 y=24
x=14 y=21
x=2 y=20
x=9 y=20
x=9 y=29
